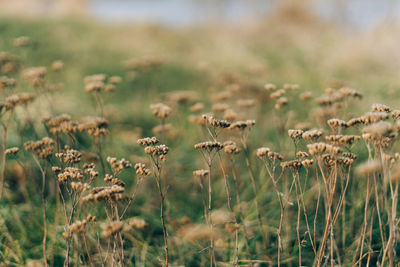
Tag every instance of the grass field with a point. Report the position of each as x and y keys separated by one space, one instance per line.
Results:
x=298 y=168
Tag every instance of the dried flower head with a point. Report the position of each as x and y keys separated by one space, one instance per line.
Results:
x=160 y=110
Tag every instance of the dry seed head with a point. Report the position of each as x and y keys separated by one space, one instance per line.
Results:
x=293 y=164
x=78 y=186
x=221 y=217
x=380 y=108
x=141 y=169
x=94 y=87
x=302 y=154
x=312 y=134
x=199 y=232
x=137 y=223
x=281 y=102
x=57 y=65
x=111 y=229
x=217 y=123
x=209 y=146
x=147 y=141
x=118 y=165
x=241 y=125
x=369 y=167
x=294 y=134
x=265 y=152
x=22 y=41
x=197 y=107
x=307 y=162
x=70 y=173
x=160 y=150
x=11 y=151
x=396 y=114
x=95 y=78
x=335 y=123
x=160 y=110
x=379 y=129
x=43 y=148
x=231 y=148
x=277 y=94
x=232 y=227
x=200 y=173
x=293 y=87
x=306 y=96
x=374 y=117
x=346 y=91
x=270 y=87
x=115 y=80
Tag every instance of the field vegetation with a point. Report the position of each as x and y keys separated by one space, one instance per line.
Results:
x=269 y=144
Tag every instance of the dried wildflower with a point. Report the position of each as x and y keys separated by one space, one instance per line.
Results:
x=293 y=87
x=199 y=232
x=302 y=154
x=312 y=134
x=209 y=146
x=111 y=229
x=277 y=94
x=22 y=41
x=216 y=123
x=294 y=134
x=318 y=148
x=70 y=173
x=141 y=169
x=221 y=217
x=346 y=91
x=336 y=123
x=270 y=87
x=241 y=125
x=378 y=130
x=307 y=162
x=160 y=150
x=396 y=114
x=35 y=75
x=380 y=108
x=160 y=110
x=11 y=151
x=57 y=65
x=115 y=80
x=95 y=78
x=231 y=148
x=147 y=141
x=369 y=167
x=197 y=107
x=281 y=102
x=201 y=173
x=94 y=87
x=118 y=165
x=94 y=126
x=137 y=223
x=306 y=96
x=200 y=120
x=78 y=186
x=265 y=152
x=43 y=148
x=6 y=82
x=293 y=164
